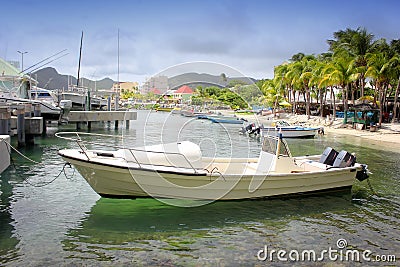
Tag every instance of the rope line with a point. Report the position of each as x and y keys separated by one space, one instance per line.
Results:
x=38 y=163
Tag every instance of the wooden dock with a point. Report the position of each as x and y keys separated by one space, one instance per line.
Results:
x=22 y=124
x=96 y=116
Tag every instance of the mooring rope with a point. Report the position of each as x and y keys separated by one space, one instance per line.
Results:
x=8 y=145
x=372 y=189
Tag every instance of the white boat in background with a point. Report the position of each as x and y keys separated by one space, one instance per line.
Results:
x=49 y=99
x=226 y=119
x=79 y=98
x=49 y=109
x=284 y=128
x=179 y=171
x=16 y=88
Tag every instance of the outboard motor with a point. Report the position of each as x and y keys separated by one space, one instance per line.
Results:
x=328 y=156
x=363 y=174
x=344 y=159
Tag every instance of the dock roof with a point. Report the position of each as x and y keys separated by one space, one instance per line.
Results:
x=6 y=69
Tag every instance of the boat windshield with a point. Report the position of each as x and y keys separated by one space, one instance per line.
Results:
x=270 y=144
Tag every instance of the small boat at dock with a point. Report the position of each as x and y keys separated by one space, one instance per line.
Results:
x=179 y=171
x=226 y=119
x=282 y=127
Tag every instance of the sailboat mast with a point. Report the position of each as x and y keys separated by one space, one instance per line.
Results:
x=118 y=59
x=118 y=88
x=79 y=63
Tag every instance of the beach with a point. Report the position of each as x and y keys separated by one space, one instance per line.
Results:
x=388 y=135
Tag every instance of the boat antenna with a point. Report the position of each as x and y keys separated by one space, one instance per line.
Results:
x=118 y=83
x=47 y=63
x=44 y=61
x=79 y=63
x=118 y=59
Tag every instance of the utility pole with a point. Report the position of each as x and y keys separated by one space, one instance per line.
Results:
x=22 y=59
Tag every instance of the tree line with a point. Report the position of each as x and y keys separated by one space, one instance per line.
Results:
x=354 y=58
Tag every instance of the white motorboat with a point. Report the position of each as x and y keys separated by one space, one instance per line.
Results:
x=78 y=97
x=50 y=106
x=283 y=127
x=14 y=89
x=49 y=111
x=179 y=171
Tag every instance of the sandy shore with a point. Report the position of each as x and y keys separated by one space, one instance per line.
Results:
x=388 y=136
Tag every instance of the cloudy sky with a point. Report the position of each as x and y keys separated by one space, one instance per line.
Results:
x=249 y=36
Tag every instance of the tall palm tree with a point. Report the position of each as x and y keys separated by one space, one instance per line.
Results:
x=379 y=71
x=293 y=82
x=329 y=81
x=272 y=89
x=342 y=75
x=357 y=43
x=395 y=65
x=317 y=76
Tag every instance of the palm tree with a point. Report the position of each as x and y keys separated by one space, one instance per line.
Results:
x=381 y=70
x=317 y=76
x=329 y=81
x=395 y=53
x=272 y=89
x=357 y=44
x=342 y=74
x=378 y=70
x=292 y=78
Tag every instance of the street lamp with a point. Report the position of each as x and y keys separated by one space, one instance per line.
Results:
x=22 y=59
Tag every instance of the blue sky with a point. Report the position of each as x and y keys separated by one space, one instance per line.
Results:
x=249 y=36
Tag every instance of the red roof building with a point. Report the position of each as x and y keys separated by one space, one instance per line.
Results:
x=184 y=90
x=155 y=91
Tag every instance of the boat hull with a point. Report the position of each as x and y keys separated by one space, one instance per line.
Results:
x=293 y=132
x=226 y=120
x=164 y=109
x=127 y=182
x=48 y=111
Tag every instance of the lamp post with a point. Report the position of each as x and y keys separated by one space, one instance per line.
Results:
x=22 y=59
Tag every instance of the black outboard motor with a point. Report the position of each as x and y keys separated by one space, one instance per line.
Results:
x=363 y=174
x=247 y=129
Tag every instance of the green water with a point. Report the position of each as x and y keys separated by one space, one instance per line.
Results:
x=66 y=223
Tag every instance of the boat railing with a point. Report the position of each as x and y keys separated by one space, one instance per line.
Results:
x=76 y=137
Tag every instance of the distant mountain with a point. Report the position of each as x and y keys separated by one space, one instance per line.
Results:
x=49 y=78
x=195 y=79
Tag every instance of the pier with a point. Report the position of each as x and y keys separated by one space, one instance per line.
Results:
x=97 y=116
x=17 y=120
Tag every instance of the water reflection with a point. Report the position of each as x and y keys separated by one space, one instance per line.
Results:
x=127 y=226
x=9 y=242
x=66 y=223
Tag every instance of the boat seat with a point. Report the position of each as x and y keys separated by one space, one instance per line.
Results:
x=314 y=166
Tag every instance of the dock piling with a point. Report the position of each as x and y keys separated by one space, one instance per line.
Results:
x=21 y=125
x=5 y=116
